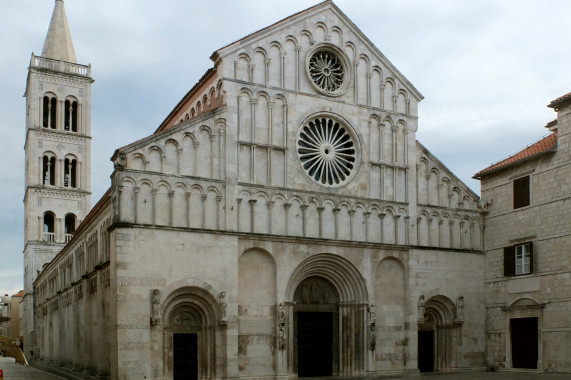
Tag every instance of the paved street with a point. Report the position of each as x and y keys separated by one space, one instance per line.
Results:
x=492 y=376
x=13 y=371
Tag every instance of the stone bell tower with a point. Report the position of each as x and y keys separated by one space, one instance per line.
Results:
x=58 y=154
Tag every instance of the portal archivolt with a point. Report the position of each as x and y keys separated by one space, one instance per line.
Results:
x=191 y=335
x=329 y=293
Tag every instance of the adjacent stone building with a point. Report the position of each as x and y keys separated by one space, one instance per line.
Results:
x=282 y=222
x=527 y=238
x=10 y=316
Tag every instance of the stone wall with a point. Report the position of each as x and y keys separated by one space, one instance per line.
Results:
x=544 y=293
x=73 y=303
x=245 y=280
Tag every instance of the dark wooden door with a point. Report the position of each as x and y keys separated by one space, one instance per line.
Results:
x=314 y=344
x=426 y=351
x=524 y=342
x=185 y=357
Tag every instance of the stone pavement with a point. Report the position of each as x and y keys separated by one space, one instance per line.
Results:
x=504 y=375
x=13 y=371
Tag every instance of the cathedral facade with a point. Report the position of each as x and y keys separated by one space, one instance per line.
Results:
x=282 y=222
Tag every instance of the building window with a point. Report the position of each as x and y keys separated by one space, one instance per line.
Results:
x=49 y=224
x=49 y=112
x=69 y=227
x=48 y=172
x=70 y=119
x=518 y=259
x=521 y=192
x=70 y=173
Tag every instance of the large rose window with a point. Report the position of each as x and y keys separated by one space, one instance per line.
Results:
x=327 y=151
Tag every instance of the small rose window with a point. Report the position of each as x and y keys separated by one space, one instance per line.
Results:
x=326 y=70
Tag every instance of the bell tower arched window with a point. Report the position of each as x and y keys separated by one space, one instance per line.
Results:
x=49 y=170
x=70 y=117
x=49 y=112
x=69 y=226
x=49 y=227
x=70 y=173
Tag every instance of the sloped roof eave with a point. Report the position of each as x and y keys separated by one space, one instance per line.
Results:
x=207 y=75
x=99 y=208
x=559 y=101
x=546 y=144
x=486 y=172
x=230 y=48
x=424 y=150
x=158 y=134
x=224 y=50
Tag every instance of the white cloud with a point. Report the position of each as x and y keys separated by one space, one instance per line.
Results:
x=487 y=69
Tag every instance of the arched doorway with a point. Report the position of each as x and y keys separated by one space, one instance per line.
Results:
x=439 y=332
x=316 y=312
x=189 y=334
x=327 y=299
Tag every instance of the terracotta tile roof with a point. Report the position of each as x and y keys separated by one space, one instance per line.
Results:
x=560 y=100
x=19 y=294
x=181 y=103
x=213 y=70
x=544 y=145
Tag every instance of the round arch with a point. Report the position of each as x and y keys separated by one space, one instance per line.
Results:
x=338 y=299
x=342 y=274
x=438 y=335
x=191 y=324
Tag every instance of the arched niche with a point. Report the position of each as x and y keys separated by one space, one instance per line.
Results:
x=256 y=313
x=390 y=298
x=193 y=340
x=439 y=335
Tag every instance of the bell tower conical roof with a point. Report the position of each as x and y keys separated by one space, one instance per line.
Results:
x=58 y=44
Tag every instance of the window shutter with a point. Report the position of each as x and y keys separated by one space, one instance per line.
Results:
x=531 y=257
x=509 y=261
x=521 y=192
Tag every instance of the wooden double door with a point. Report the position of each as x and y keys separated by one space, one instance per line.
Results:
x=185 y=356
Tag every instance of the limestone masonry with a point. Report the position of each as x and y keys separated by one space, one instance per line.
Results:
x=283 y=222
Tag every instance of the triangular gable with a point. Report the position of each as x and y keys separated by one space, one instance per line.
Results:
x=260 y=33
x=299 y=17
x=211 y=75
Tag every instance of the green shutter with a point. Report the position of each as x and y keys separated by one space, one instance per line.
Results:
x=509 y=261
x=530 y=257
x=521 y=193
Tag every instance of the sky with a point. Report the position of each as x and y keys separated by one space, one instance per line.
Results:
x=487 y=70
